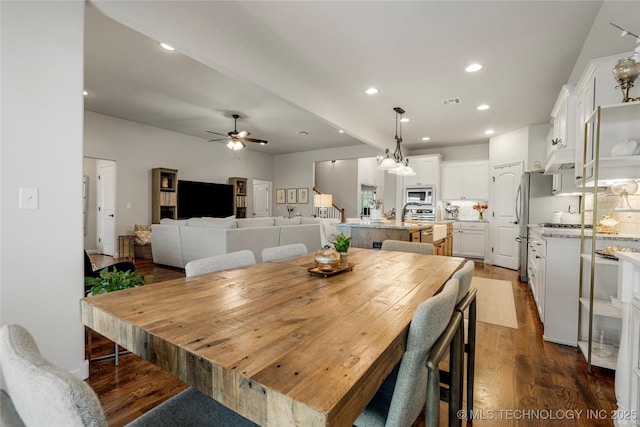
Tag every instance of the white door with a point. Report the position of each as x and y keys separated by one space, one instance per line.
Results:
x=106 y=207
x=261 y=198
x=505 y=180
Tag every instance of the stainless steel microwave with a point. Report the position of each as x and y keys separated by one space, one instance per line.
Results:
x=423 y=195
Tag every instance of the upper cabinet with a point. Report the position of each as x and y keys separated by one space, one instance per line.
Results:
x=426 y=169
x=596 y=86
x=465 y=180
x=561 y=148
x=612 y=144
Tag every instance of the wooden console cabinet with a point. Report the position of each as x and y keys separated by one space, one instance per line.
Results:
x=239 y=196
x=164 y=194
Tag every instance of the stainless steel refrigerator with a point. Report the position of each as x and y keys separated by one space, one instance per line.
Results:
x=535 y=204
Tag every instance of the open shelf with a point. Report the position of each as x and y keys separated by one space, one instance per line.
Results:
x=609 y=361
x=602 y=308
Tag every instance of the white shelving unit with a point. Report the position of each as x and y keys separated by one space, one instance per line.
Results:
x=599 y=319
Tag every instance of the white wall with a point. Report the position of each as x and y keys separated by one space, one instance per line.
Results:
x=340 y=179
x=139 y=148
x=297 y=170
x=41 y=266
x=509 y=147
x=478 y=151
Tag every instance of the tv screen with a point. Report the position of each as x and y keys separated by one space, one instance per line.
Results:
x=197 y=199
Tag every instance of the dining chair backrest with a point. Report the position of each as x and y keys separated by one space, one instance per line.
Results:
x=281 y=252
x=219 y=262
x=464 y=276
x=403 y=246
x=399 y=403
x=42 y=393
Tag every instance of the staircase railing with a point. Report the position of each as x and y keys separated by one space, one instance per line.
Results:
x=334 y=211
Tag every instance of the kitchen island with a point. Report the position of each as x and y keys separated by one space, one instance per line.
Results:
x=371 y=234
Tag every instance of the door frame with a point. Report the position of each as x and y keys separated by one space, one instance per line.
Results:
x=99 y=229
x=492 y=219
x=269 y=192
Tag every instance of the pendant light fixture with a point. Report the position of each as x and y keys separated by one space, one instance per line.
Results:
x=396 y=164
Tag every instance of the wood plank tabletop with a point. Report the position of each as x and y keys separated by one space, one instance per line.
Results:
x=272 y=342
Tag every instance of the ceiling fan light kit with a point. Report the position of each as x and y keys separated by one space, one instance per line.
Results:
x=236 y=140
x=396 y=164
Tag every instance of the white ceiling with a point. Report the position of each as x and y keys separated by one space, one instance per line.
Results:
x=287 y=67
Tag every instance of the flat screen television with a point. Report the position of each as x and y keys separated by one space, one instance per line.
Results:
x=196 y=199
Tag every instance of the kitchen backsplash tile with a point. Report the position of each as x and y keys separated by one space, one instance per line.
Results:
x=628 y=222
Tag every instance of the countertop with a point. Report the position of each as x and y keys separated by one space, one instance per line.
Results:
x=394 y=225
x=574 y=233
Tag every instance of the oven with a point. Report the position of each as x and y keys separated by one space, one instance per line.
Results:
x=422 y=195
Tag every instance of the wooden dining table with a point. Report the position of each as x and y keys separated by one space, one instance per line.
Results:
x=273 y=342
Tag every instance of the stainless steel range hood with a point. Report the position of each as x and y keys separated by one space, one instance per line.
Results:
x=559 y=160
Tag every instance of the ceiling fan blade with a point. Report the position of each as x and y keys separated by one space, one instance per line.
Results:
x=221 y=134
x=219 y=139
x=260 y=141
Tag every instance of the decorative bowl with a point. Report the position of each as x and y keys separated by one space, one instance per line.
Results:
x=327 y=259
x=626 y=148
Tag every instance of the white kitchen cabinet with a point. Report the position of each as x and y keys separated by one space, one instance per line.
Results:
x=465 y=180
x=536 y=262
x=608 y=126
x=426 y=169
x=627 y=383
x=596 y=86
x=469 y=239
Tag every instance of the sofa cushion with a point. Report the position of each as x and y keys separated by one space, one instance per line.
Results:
x=169 y=221
x=287 y=221
x=255 y=222
x=308 y=220
x=212 y=222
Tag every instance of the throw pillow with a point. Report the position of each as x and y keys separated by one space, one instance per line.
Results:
x=143 y=234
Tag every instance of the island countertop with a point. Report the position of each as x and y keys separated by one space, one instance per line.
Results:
x=392 y=225
x=574 y=233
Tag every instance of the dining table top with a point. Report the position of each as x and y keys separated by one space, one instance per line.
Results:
x=273 y=342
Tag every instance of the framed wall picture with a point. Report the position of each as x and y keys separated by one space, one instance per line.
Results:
x=303 y=195
x=292 y=196
x=281 y=197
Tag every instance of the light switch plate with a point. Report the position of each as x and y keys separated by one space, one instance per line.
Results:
x=28 y=198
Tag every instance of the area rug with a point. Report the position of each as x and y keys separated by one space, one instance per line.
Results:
x=495 y=303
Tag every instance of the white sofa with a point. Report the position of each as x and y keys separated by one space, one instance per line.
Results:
x=176 y=242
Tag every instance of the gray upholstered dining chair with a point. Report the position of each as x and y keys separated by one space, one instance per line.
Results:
x=402 y=396
x=402 y=246
x=219 y=262
x=281 y=252
x=41 y=394
x=466 y=301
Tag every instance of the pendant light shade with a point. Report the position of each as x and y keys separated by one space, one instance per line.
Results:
x=396 y=164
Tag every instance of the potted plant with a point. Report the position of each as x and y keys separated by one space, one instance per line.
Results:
x=376 y=212
x=113 y=280
x=341 y=245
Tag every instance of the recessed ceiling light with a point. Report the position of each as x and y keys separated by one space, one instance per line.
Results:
x=489 y=132
x=426 y=138
x=340 y=130
x=371 y=91
x=483 y=107
x=85 y=93
x=166 y=46
x=405 y=119
x=472 y=68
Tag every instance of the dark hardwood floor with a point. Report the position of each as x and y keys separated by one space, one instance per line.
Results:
x=520 y=379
